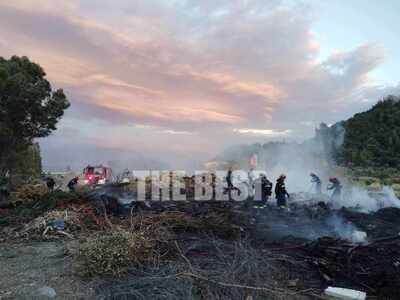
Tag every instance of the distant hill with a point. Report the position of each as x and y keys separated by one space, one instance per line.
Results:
x=372 y=138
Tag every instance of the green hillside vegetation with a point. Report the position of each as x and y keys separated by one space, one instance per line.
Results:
x=372 y=138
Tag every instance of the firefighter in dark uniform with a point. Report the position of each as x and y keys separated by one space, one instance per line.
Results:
x=50 y=183
x=72 y=184
x=280 y=191
x=266 y=189
x=229 y=179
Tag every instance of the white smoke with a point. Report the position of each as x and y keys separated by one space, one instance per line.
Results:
x=297 y=161
x=366 y=201
x=346 y=230
x=314 y=228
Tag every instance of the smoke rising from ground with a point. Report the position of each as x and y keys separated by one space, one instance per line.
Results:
x=366 y=201
x=298 y=160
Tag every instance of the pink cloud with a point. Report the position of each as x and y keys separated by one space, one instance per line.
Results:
x=194 y=66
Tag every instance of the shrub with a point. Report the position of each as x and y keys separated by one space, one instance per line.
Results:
x=114 y=253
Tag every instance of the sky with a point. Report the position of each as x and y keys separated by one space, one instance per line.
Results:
x=174 y=82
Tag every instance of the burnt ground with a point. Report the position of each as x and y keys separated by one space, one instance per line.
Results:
x=267 y=254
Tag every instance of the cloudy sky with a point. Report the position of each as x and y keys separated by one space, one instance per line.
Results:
x=179 y=80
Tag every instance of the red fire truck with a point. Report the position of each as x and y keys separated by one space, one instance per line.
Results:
x=97 y=175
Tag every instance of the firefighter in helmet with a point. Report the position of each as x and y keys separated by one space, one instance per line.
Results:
x=266 y=189
x=336 y=186
x=281 y=193
x=318 y=183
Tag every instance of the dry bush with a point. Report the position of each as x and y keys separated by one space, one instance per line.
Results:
x=114 y=253
x=28 y=193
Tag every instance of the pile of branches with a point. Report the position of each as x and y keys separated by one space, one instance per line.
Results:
x=115 y=251
x=66 y=220
x=39 y=204
x=229 y=270
x=30 y=218
x=27 y=193
x=42 y=226
x=226 y=224
x=374 y=268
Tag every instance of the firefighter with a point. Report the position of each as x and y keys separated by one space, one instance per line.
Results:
x=230 y=187
x=266 y=189
x=72 y=184
x=50 y=183
x=336 y=186
x=229 y=179
x=280 y=191
x=318 y=183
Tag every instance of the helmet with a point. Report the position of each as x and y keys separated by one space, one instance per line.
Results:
x=332 y=179
x=283 y=176
x=312 y=174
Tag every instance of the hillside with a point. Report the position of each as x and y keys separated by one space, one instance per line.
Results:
x=372 y=138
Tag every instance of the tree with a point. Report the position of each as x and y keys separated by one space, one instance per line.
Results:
x=28 y=164
x=29 y=108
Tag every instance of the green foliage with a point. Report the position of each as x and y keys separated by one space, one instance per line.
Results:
x=29 y=108
x=372 y=138
x=46 y=202
x=28 y=164
x=51 y=200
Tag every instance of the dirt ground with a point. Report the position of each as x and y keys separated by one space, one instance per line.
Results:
x=28 y=267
